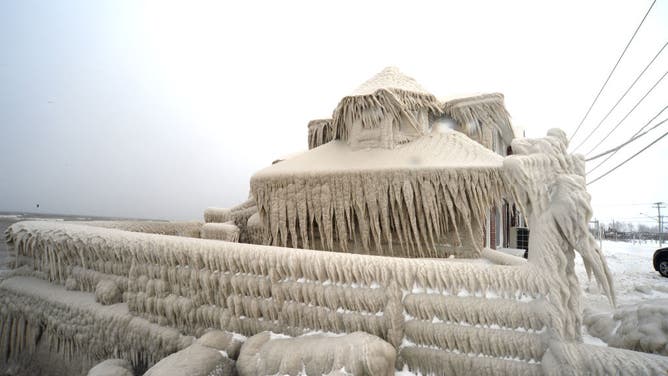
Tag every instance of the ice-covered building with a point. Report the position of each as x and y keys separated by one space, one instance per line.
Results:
x=425 y=198
x=392 y=108
x=383 y=181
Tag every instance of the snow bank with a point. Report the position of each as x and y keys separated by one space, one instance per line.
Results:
x=639 y=323
x=640 y=327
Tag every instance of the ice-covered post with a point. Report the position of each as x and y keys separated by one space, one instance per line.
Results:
x=548 y=185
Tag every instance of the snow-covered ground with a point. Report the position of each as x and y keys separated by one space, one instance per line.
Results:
x=640 y=319
x=634 y=276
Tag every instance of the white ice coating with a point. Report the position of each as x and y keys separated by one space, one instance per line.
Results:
x=426 y=198
x=357 y=353
x=431 y=361
x=319 y=132
x=194 y=284
x=187 y=229
x=107 y=292
x=195 y=360
x=460 y=318
x=112 y=367
x=388 y=95
x=573 y=359
x=227 y=231
x=642 y=327
x=549 y=187
x=236 y=216
x=74 y=325
x=481 y=117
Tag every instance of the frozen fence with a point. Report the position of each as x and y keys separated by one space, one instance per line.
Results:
x=418 y=305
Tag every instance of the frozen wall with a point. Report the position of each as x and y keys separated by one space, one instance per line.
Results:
x=496 y=311
x=442 y=316
x=73 y=326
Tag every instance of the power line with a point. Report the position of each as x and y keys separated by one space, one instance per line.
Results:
x=628 y=113
x=622 y=97
x=628 y=159
x=615 y=150
x=635 y=136
x=612 y=71
x=632 y=204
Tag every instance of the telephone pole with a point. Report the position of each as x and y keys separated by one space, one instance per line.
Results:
x=659 y=206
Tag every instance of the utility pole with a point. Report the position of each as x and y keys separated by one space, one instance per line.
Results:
x=598 y=233
x=659 y=206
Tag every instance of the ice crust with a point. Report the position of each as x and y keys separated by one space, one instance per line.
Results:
x=442 y=316
x=427 y=198
x=354 y=354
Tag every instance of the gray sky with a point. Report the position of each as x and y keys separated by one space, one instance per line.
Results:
x=160 y=109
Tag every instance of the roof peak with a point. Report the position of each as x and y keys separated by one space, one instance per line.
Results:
x=389 y=78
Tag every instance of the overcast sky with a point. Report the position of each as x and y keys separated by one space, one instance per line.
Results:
x=160 y=109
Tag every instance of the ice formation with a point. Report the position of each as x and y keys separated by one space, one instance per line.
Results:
x=386 y=186
x=354 y=354
x=380 y=180
x=567 y=358
x=195 y=360
x=107 y=292
x=498 y=312
x=391 y=98
x=187 y=229
x=642 y=327
x=229 y=343
x=319 y=132
x=550 y=188
x=112 y=367
x=72 y=325
x=481 y=117
x=227 y=231
x=237 y=216
x=426 y=198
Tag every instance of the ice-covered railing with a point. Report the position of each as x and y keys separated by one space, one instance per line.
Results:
x=187 y=229
x=493 y=311
x=73 y=325
x=237 y=216
x=548 y=185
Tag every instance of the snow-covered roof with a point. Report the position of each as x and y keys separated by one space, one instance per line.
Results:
x=389 y=78
x=449 y=150
x=483 y=110
x=388 y=93
x=412 y=195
